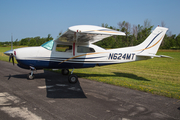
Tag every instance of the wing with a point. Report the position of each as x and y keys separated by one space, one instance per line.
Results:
x=86 y=34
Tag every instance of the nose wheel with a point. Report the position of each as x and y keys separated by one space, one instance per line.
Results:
x=31 y=76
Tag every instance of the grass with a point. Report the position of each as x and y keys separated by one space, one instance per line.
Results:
x=159 y=76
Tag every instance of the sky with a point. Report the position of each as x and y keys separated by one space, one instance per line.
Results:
x=31 y=18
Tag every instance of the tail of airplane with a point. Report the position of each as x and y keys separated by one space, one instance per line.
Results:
x=151 y=45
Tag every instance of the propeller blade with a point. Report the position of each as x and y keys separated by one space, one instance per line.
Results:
x=13 y=59
x=10 y=58
x=11 y=41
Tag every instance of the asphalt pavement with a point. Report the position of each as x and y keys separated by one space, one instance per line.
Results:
x=50 y=97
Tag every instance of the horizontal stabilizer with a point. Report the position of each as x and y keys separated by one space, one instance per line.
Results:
x=150 y=55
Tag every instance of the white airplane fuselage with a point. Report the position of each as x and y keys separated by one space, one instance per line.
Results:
x=40 y=58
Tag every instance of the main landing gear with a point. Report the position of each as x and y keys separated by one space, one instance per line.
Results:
x=72 y=78
x=65 y=71
x=30 y=76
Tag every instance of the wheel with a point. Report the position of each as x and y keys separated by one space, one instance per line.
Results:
x=65 y=71
x=30 y=77
x=73 y=78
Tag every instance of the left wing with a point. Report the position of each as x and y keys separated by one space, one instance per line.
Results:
x=86 y=34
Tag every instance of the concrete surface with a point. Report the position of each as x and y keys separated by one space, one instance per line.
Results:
x=50 y=97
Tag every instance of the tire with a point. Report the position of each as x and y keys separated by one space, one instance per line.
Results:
x=73 y=78
x=65 y=71
x=29 y=77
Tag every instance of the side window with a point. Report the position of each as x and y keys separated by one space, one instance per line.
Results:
x=63 y=48
x=82 y=49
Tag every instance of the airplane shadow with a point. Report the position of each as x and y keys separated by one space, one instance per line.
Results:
x=116 y=74
x=57 y=85
x=24 y=76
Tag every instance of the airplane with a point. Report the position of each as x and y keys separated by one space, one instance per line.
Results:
x=75 y=49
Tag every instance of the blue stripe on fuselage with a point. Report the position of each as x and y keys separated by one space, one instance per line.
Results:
x=52 y=64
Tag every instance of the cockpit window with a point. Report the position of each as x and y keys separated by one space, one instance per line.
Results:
x=63 y=48
x=82 y=49
x=48 y=45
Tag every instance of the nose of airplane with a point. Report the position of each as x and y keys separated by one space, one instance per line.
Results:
x=9 y=52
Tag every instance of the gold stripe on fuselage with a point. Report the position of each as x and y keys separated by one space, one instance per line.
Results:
x=81 y=56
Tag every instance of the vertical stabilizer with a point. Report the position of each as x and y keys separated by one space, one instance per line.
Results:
x=152 y=42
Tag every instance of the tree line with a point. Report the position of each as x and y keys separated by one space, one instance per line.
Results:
x=29 y=41
x=135 y=35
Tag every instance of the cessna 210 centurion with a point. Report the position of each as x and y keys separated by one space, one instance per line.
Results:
x=82 y=53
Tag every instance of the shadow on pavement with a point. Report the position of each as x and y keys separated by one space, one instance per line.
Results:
x=58 y=89
x=57 y=85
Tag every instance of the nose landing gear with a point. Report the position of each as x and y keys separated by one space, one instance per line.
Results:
x=31 y=76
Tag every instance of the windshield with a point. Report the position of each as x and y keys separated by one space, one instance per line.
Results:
x=48 y=45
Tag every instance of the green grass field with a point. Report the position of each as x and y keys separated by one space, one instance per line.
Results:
x=159 y=76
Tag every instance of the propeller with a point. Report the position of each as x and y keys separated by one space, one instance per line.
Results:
x=10 y=52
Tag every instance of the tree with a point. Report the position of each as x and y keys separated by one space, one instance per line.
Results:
x=169 y=42
x=49 y=38
x=24 y=41
x=16 y=42
x=143 y=31
x=32 y=42
x=125 y=27
x=38 y=40
x=178 y=41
